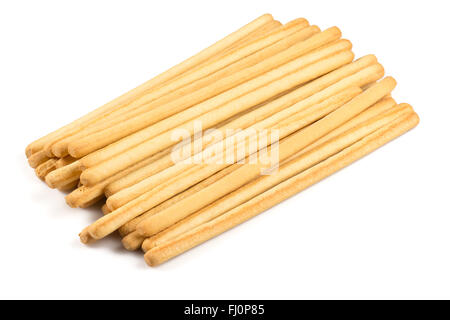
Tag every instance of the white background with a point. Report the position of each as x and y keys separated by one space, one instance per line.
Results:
x=377 y=229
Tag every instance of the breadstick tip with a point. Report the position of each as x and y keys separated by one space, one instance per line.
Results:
x=49 y=180
x=148 y=244
x=88 y=177
x=85 y=237
x=296 y=22
x=112 y=203
x=335 y=30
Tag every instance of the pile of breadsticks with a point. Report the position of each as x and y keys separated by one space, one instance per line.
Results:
x=327 y=110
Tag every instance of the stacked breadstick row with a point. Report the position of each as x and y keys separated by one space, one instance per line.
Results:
x=297 y=81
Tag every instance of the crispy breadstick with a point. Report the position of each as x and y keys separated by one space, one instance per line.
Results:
x=158 y=80
x=37 y=159
x=263 y=183
x=64 y=161
x=279 y=193
x=287 y=52
x=268 y=28
x=64 y=175
x=353 y=74
x=131 y=193
x=246 y=173
x=312 y=71
x=45 y=168
x=69 y=186
x=131 y=225
x=82 y=196
x=235 y=94
x=156 y=110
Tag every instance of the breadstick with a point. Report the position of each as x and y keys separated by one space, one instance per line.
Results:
x=279 y=193
x=131 y=193
x=64 y=175
x=64 y=161
x=85 y=195
x=69 y=186
x=264 y=30
x=229 y=96
x=37 y=159
x=121 y=161
x=45 y=168
x=158 y=80
x=287 y=52
x=287 y=148
x=105 y=209
x=155 y=107
x=349 y=75
x=263 y=183
x=379 y=108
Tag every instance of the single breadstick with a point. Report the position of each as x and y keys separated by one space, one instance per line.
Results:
x=307 y=116
x=69 y=186
x=156 y=81
x=358 y=73
x=45 y=168
x=263 y=183
x=246 y=173
x=131 y=225
x=264 y=30
x=136 y=207
x=312 y=71
x=64 y=175
x=85 y=195
x=92 y=202
x=279 y=193
x=37 y=159
x=287 y=52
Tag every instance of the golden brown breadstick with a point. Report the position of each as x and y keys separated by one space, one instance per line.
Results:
x=309 y=115
x=268 y=28
x=64 y=175
x=64 y=161
x=45 y=168
x=69 y=186
x=105 y=209
x=158 y=80
x=37 y=159
x=358 y=73
x=379 y=108
x=82 y=196
x=263 y=183
x=279 y=193
x=312 y=71
x=287 y=52
x=246 y=173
